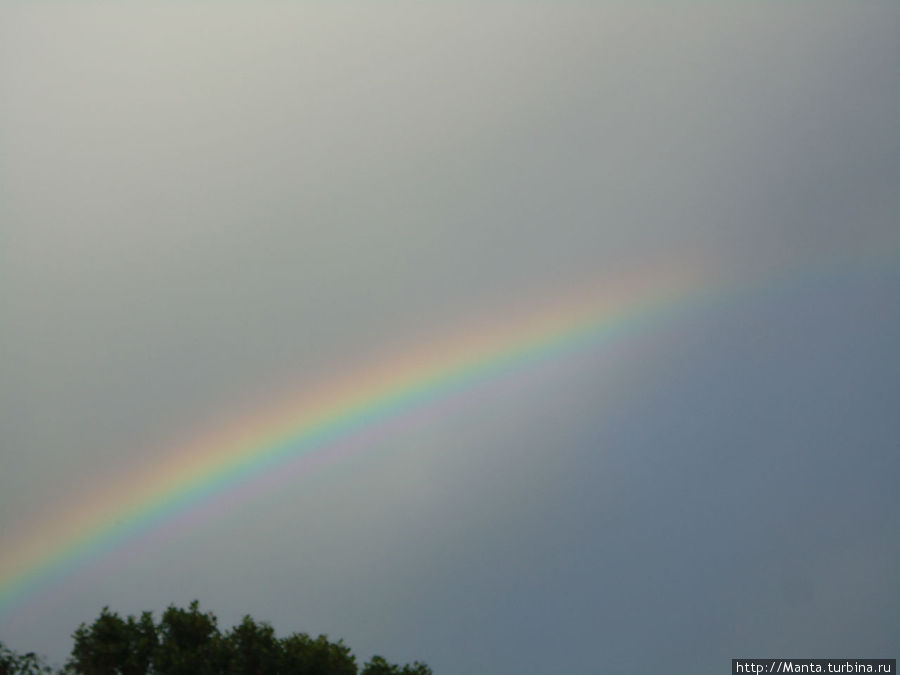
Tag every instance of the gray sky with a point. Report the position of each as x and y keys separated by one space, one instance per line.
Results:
x=204 y=207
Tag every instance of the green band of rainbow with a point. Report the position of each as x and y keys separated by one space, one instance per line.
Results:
x=313 y=424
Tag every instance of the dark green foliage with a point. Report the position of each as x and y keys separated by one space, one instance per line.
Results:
x=188 y=642
x=115 y=645
x=301 y=654
x=378 y=666
x=250 y=648
x=21 y=664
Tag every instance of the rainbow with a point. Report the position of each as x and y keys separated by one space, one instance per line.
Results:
x=321 y=423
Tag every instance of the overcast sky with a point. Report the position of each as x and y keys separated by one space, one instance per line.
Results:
x=206 y=206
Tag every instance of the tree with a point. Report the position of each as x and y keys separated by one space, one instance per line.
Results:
x=303 y=655
x=114 y=646
x=188 y=642
x=21 y=664
x=379 y=666
x=251 y=648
